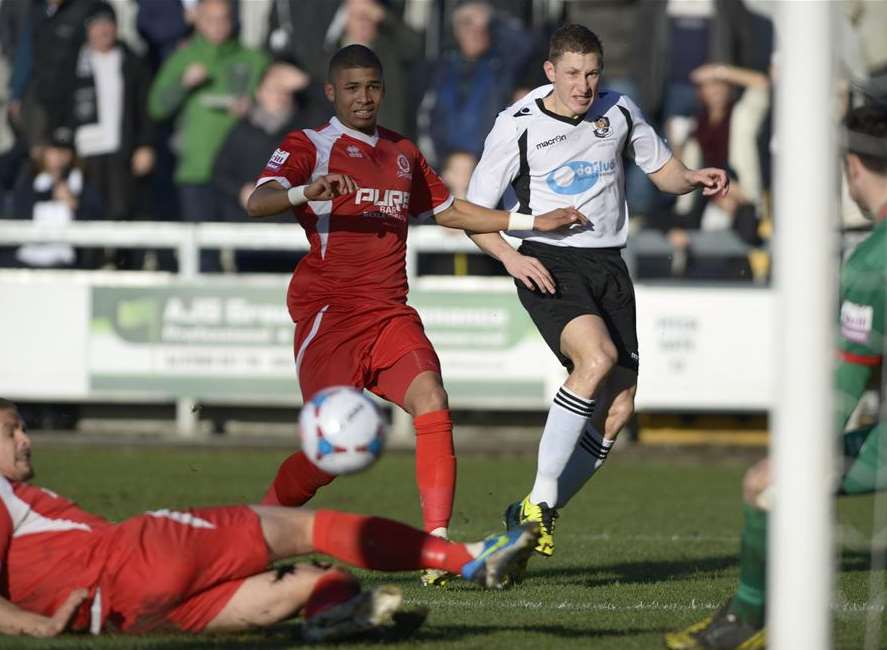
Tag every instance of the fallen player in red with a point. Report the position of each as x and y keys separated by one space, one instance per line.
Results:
x=206 y=569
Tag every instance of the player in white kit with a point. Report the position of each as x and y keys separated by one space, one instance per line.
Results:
x=563 y=145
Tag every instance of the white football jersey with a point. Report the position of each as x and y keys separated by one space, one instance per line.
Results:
x=552 y=161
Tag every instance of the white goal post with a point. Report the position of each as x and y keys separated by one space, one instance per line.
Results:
x=803 y=448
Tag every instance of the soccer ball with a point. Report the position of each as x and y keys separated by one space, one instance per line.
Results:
x=342 y=430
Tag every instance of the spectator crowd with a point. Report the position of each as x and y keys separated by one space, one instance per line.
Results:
x=168 y=109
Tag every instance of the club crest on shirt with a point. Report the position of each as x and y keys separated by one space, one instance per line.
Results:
x=353 y=151
x=403 y=167
x=602 y=126
x=277 y=159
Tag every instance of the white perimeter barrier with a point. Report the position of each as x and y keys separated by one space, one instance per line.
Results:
x=188 y=338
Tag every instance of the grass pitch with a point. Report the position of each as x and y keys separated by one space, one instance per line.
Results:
x=650 y=546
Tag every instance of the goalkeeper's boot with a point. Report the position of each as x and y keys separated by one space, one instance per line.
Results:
x=500 y=554
x=526 y=511
x=435 y=577
x=373 y=613
x=720 y=631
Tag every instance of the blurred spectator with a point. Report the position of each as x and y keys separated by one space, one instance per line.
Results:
x=456 y=173
x=726 y=129
x=473 y=83
x=284 y=102
x=44 y=62
x=164 y=25
x=676 y=37
x=208 y=84
x=250 y=143
x=13 y=22
x=54 y=193
x=297 y=33
x=867 y=23
x=12 y=149
x=371 y=23
x=115 y=134
x=254 y=17
x=723 y=134
x=305 y=33
x=126 y=12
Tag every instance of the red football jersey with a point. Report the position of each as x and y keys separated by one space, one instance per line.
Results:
x=48 y=546
x=358 y=241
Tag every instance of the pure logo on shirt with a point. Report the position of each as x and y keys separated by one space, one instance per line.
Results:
x=579 y=176
x=390 y=203
x=353 y=151
x=856 y=321
x=277 y=159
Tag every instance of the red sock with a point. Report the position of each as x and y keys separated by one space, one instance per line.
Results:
x=435 y=467
x=383 y=544
x=296 y=482
x=332 y=588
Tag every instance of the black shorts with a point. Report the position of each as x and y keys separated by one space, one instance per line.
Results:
x=589 y=281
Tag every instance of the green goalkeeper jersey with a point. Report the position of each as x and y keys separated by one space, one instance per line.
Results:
x=861 y=338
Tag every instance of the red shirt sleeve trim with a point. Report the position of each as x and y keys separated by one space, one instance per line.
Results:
x=861 y=359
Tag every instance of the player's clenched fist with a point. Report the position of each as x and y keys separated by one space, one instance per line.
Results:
x=559 y=218
x=330 y=186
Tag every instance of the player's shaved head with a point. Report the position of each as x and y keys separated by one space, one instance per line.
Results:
x=7 y=405
x=574 y=38
x=352 y=56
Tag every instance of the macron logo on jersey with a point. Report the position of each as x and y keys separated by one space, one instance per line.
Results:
x=277 y=159
x=555 y=140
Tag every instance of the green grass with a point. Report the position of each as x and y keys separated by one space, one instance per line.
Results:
x=651 y=544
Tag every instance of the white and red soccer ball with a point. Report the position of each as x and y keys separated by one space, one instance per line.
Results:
x=342 y=430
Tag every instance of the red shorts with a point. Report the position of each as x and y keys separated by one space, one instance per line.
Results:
x=178 y=569
x=381 y=349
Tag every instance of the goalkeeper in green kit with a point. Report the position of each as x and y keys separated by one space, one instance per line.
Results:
x=739 y=623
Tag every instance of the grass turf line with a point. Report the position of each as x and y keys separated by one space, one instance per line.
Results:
x=649 y=546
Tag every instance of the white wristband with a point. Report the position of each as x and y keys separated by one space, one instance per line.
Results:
x=296 y=195
x=521 y=221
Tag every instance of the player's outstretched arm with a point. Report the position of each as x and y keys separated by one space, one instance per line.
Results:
x=272 y=198
x=465 y=215
x=16 y=621
x=673 y=177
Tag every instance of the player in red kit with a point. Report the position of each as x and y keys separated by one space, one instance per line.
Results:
x=205 y=569
x=354 y=186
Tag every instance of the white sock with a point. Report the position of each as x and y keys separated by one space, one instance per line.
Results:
x=441 y=532
x=566 y=420
x=589 y=454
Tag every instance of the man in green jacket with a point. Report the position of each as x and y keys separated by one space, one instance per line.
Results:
x=207 y=84
x=739 y=624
